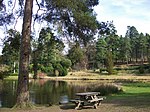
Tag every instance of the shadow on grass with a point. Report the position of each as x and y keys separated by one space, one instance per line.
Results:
x=67 y=106
x=70 y=106
x=137 y=100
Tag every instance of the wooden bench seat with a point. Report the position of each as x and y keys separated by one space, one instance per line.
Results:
x=76 y=101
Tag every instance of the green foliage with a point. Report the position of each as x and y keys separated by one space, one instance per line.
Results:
x=10 y=51
x=101 y=49
x=75 y=54
x=64 y=72
x=62 y=66
x=109 y=63
x=47 y=51
x=59 y=68
x=14 y=74
x=106 y=47
x=65 y=63
x=141 y=69
x=4 y=71
x=124 y=49
x=108 y=89
x=47 y=69
x=75 y=18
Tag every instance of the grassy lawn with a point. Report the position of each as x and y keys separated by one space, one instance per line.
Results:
x=137 y=88
x=133 y=95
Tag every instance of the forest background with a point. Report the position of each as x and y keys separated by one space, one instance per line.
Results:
x=91 y=44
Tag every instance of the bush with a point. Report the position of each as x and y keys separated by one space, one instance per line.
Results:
x=141 y=69
x=109 y=63
x=4 y=71
x=118 y=68
x=102 y=69
x=59 y=68
x=47 y=69
x=64 y=72
x=115 y=72
x=4 y=74
x=65 y=63
x=106 y=89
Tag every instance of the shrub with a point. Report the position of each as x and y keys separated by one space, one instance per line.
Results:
x=47 y=69
x=3 y=74
x=65 y=63
x=106 y=89
x=4 y=71
x=115 y=72
x=109 y=63
x=64 y=71
x=118 y=68
x=141 y=69
x=59 y=68
x=102 y=69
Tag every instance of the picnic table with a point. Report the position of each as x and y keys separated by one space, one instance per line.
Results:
x=91 y=98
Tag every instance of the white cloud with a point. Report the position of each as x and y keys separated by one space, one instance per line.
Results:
x=125 y=13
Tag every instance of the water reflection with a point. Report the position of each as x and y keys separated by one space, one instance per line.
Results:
x=47 y=91
x=8 y=93
x=63 y=99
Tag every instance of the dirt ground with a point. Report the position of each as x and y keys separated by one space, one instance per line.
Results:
x=111 y=106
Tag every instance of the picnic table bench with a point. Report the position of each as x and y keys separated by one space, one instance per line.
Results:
x=87 y=97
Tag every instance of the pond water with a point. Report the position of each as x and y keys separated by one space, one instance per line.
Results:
x=45 y=92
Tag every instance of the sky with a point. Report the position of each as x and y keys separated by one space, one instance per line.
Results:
x=125 y=13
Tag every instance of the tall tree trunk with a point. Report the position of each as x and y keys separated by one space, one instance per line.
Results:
x=142 y=57
x=136 y=55
x=14 y=67
x=23 y=79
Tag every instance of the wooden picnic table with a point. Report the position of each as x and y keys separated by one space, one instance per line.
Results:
x=87 y=97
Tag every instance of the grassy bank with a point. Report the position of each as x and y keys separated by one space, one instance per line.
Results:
x=89 y=75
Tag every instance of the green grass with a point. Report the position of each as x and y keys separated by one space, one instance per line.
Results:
x=136 y=88
x=134 y=94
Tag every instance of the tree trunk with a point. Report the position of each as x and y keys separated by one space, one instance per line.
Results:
x=14 y=67
x=23 y=78
x=142 y=57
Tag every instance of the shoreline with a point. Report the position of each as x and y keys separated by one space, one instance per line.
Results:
x=129 y=78
x=103 y=78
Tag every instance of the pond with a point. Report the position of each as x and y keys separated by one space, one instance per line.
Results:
x=45 y=92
